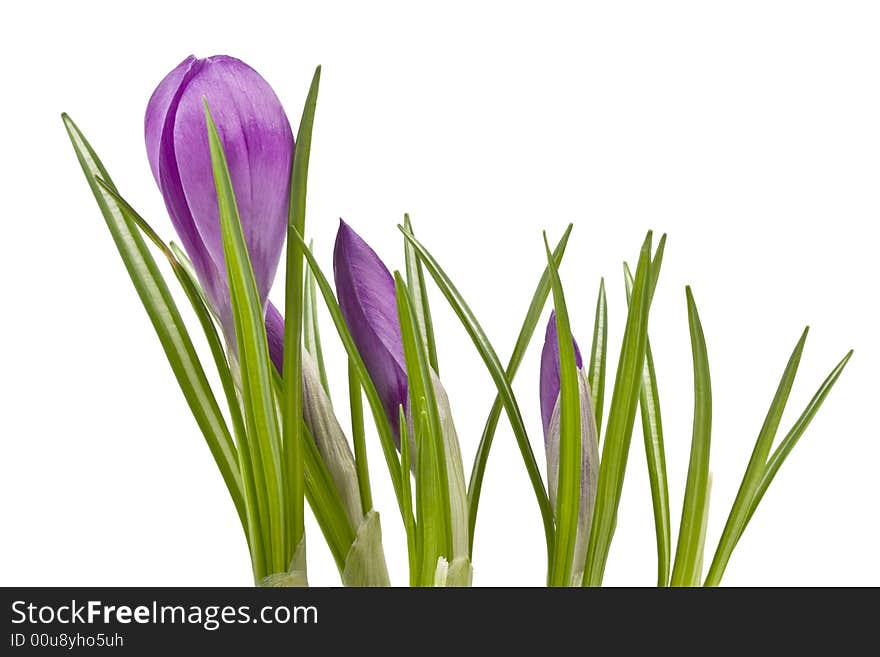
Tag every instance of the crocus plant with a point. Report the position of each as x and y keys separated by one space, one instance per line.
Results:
x=222 y=153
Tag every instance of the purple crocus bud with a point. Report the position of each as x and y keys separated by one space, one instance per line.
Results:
x=365 y=289
x=550 y=415
x=550 y=385
x=258 y=142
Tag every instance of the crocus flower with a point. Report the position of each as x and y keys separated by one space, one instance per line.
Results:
x=258 y=142
x=365 y=289
x=550 y=415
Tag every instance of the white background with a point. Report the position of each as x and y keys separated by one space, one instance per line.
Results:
x=747 y=131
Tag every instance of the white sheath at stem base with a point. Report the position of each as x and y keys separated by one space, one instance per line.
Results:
x=296 y=576
x=365 y=562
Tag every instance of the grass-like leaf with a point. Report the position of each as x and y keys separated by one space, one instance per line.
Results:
x=598 y=357
x=291 y=402
x=621 y=417
x=182 y=269
x=256 y=368
x=322 y=494
x=739 y=511
x=569 y=478
x=493 y=364
x=386 y=437
x=530 y=322
x=432 y=482
x=311 y=329
x=358 y=438
x=791 y=439
x=409 y=521
x=415 y=281
x=655 y=453
x=769 y=470
x=692 y=531
x=165 y=317
x=326 y=502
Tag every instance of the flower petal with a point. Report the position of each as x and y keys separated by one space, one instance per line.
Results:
x=159 y=137
x=258 y=144
x=365 y=290
x=275 y=336
x=157 y=110
x=549 y=382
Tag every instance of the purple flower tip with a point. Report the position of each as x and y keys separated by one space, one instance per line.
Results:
x=258 y=143
x=365 y=289
x=549 y=382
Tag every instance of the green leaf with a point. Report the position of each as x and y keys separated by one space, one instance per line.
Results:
x=166 y=320
x=409 y=521
x=598 y=354
x=326 y=502
x=386 y=436
x=621 y=418
x=311 y=329
x=432 y=482
x=256 y=368
x=569 y=478
x=356 y=405
x=415 y=280
x=692 y=531
x=530 y=322
x=324 y=497
x=292 y=467
x=186 y=277
x=493 y=364
x=655 y=453
x=796 y=432
x=739 y=512
x=187 y=265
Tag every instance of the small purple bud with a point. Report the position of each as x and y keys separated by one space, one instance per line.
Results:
x=550 y=414
x=550 y=371
x=365 y=289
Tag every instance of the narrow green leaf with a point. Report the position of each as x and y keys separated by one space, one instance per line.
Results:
x=621 y=418
x=655 y=453
x=186 y=277
x=526 y=332
x=656 y=263
x=356 y=405
x=434 y=512
x=598 y=357
x=739 y=512
x=691 y=533
x=326 y=502
x=791 y=439
x=311 y=328
x=409 y=522
x=493 y=364
x=256 y=368
x=569 y=478
x=293 y=317
x=415 y=280
x=322 y=493
x=386 y=437
x=431 y=532
x=703 y=525
x=166 y=320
